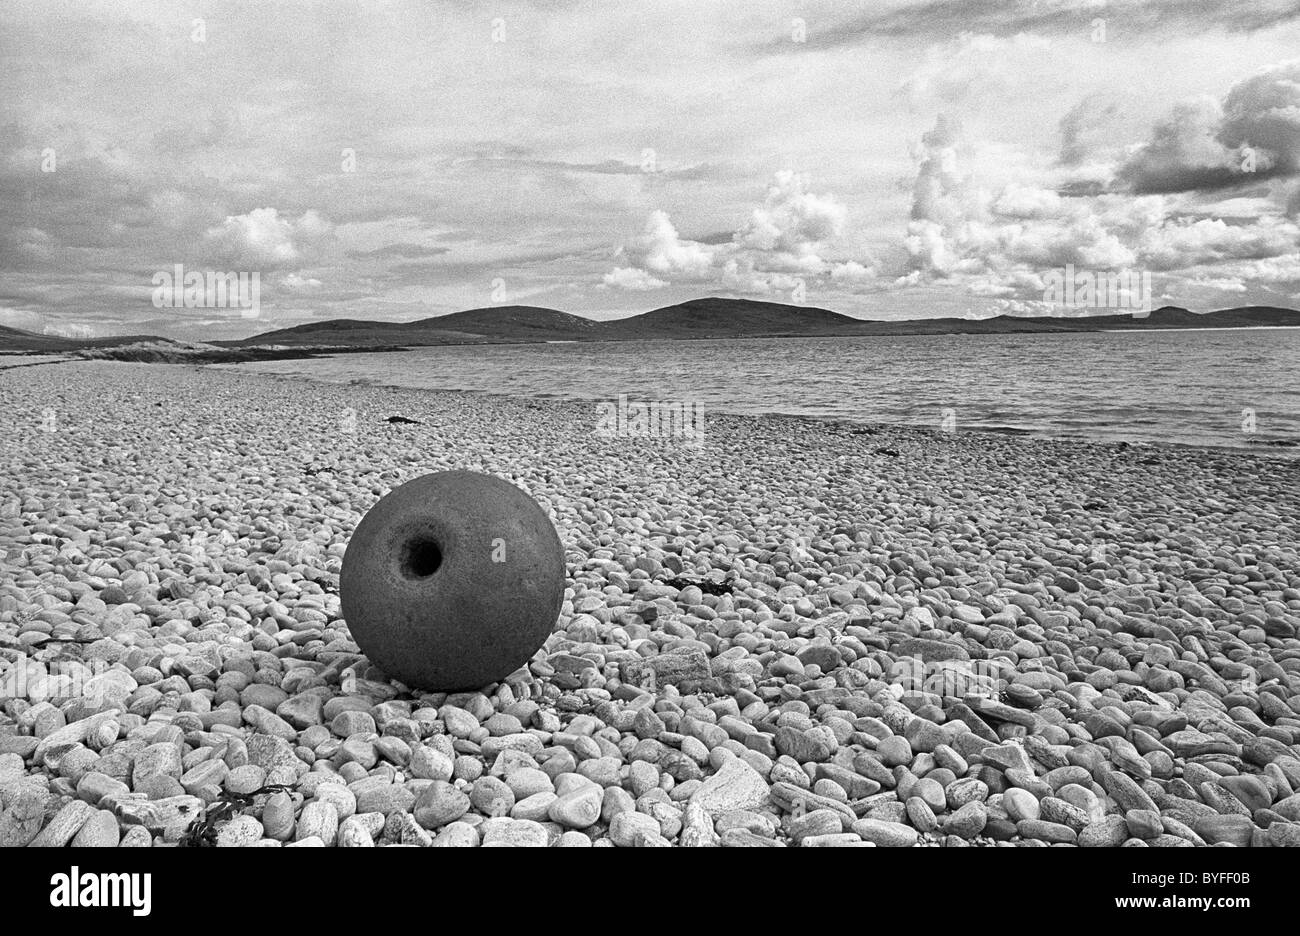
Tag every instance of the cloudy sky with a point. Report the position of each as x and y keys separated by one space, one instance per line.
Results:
x=394 y=160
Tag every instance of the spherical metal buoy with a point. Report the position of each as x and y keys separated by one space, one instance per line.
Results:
x=452 y=581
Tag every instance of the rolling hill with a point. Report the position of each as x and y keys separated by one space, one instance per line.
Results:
x=705 y=318
x=494 y=324
x=714 y=317
x=729 y=318
x=1174 y=317
x=20 y=340
x=726 y=318
x=742 y=318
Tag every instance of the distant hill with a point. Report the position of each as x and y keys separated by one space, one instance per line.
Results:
x=494 y=324
x=164 y=351
x=1174 y=317
x=741 y=318
x=21 y=340
x=711 y=317
x=18 y=339
x=729 y=318
x=515 y=320
x=726 y=318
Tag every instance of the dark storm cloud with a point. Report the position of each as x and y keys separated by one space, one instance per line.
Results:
x=1252 y=135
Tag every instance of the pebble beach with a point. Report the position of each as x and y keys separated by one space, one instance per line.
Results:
x=789 y=633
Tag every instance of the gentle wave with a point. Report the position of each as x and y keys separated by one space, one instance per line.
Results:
x=1235 y=389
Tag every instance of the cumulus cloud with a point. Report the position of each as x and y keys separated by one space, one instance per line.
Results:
x=853 y=273
x=1025 y=201
x=792 y=220
x=1282 y=271
x=659 y=255
x=1180 y=245
x=1205 y=144
x=996 y=243
x=777 y=247
x=740 y=274
x=1184 y=153
x=660 y=249
x=1080 y=127
x=296 y=283
x=262 y=239
x=632 y=279
x=939 y=177
x=1264 y=112
x=941 y=201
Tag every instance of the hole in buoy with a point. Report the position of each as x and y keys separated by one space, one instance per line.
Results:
x=422 y=558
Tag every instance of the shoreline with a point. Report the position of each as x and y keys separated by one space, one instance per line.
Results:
x=1283 y=453
x=103 y=349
